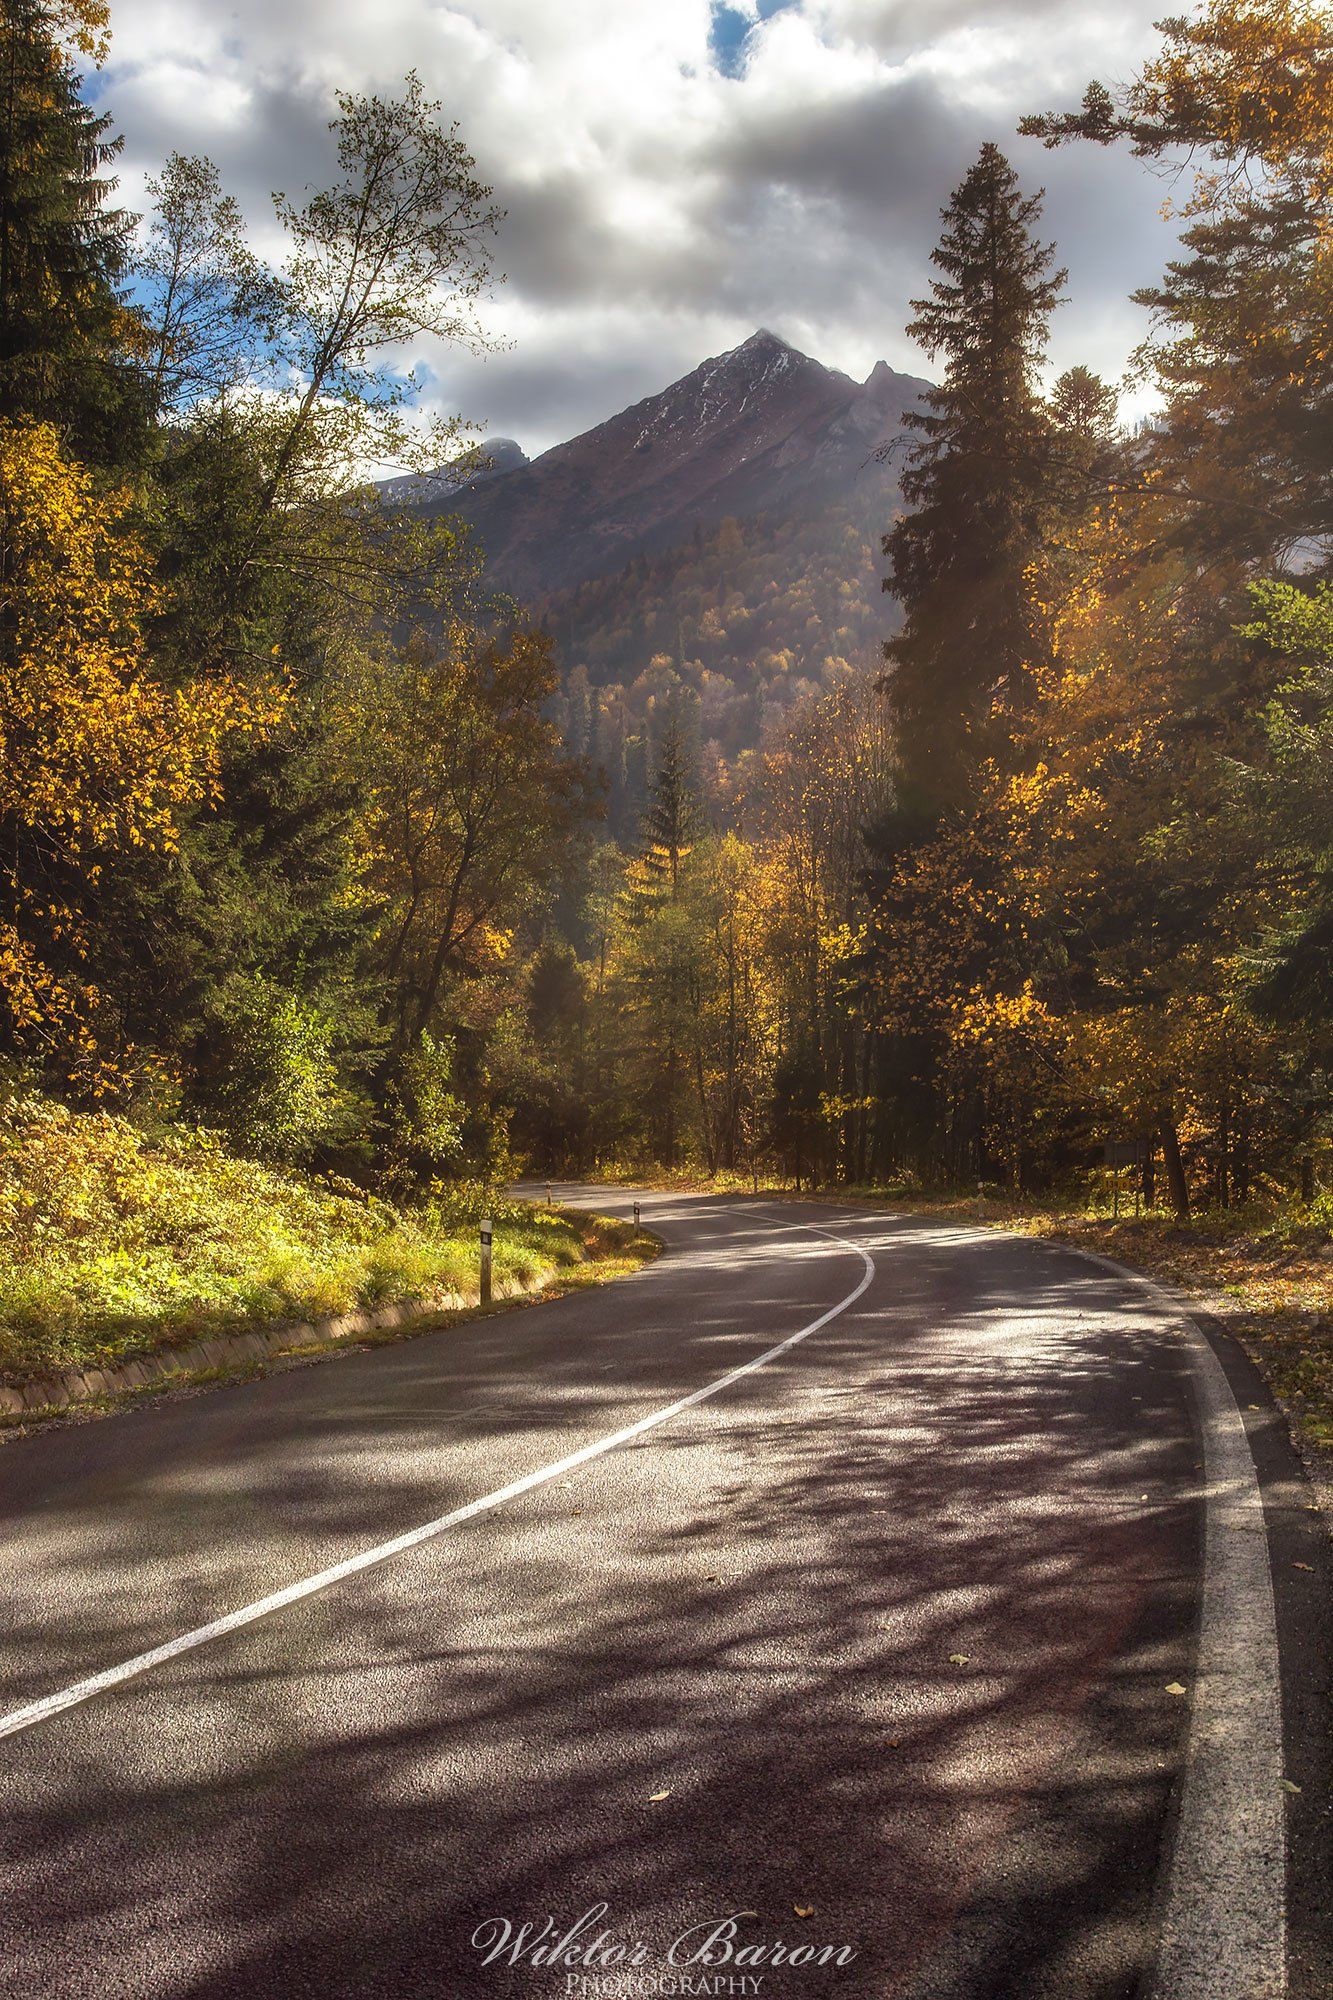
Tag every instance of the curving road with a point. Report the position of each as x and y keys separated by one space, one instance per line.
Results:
x=834 y=1570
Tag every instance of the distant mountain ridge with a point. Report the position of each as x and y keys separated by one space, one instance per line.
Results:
x=760 y=430
x=417 y=489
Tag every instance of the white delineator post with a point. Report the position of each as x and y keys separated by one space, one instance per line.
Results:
x=486 y=1261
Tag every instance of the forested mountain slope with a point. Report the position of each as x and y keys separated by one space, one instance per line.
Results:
x=730 y=630
x=713 y=550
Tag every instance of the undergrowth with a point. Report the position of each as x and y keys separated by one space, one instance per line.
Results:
x=112 y=1242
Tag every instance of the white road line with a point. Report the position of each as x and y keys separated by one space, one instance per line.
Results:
x=1223 y=1930
x=204 y=1635
x=1223 y=1934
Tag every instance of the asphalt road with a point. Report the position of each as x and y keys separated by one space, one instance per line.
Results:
x=890 y=1620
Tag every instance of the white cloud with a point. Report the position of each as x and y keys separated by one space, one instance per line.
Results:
x=659 y=210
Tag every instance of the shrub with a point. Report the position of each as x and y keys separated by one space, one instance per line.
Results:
x=428 y=1115
x=111 y=1241
x=268 y=1074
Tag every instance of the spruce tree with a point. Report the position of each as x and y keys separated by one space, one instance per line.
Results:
x=1087 y=442
x=973 y=482
x=670 y=820
x=661 y=964
x=65 y=334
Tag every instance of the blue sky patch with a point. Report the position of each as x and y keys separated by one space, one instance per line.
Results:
x=730 y=30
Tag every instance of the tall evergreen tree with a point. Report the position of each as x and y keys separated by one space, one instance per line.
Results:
x=973 y=482
x=671 y=817
x=66 y=338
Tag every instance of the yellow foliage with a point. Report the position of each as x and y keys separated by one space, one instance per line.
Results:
x=81 y=25
x=989 y=1020
x=96 y=755
x=1260 y=72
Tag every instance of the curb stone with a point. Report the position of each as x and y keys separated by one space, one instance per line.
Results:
x=69 y=1387
x=86 y=1385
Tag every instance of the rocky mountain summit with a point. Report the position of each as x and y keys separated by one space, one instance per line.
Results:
x=761 y=430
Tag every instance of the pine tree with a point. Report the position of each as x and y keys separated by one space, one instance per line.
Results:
x=973 y=481
x=663 y=945
x=670 y=820
x=65 y=335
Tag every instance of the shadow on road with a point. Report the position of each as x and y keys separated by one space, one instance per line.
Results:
x=890 y=1623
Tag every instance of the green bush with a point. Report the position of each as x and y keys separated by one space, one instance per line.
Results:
x=268 y=1077
x=428 y=1115
x=111 y=1242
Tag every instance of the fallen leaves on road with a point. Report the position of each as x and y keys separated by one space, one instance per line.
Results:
x=802 y=1911
x=1287 y=1785
x=654 y=1798
x=1174 y=1687
x=959 y=1659
x=1309 y=1566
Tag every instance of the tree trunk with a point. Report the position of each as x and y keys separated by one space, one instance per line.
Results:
x=1177 y=1185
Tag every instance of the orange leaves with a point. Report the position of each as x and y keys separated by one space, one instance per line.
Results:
x=96 y=755
x=1252 y=80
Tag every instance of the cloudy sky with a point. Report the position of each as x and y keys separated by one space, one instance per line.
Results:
x=675 y=172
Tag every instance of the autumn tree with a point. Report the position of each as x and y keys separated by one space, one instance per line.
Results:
x=659 y=944
x=825 y=779
x=1237 y=104
x=99 y=758
x=468 y=800
x=285 y=382
x=395 y=250
x=278 y=389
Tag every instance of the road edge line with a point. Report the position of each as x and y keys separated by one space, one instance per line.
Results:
x=1223 y=1916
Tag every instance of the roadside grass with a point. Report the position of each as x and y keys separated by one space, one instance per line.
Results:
x=113 y=1243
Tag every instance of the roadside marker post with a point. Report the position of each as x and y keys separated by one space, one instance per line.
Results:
x=636 y=1215
x=486 y=1261
x=548 y=1194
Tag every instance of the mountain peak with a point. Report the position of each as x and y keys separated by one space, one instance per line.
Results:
x=766 y=349
x=446 y=482
x=759 y=429
x=764 y=336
